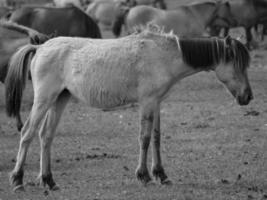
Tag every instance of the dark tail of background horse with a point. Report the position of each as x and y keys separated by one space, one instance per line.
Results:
x=119 y=21
x=16 y=78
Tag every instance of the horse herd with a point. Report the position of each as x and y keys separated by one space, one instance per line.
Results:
x=163 y=47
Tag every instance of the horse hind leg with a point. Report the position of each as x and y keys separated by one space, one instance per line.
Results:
x=46 y=134
x=157 y=168
x=27 y=134
x=43 y=100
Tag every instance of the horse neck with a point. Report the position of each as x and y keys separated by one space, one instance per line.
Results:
x=179 y=70
x=12 y=33
x=203 y=12
x=17 y=28
x=8 y=45
x=203 y=54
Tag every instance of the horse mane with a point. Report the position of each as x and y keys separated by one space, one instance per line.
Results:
x=152 y=29
x=204 y=53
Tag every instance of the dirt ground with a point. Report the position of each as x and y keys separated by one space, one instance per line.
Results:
x=211 y=147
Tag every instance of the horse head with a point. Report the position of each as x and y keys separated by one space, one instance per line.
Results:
x=222 y=16
x=232 y=72
x=120 y=19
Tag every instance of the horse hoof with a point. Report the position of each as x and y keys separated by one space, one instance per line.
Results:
x=166 y=182
x=16 y=180
x=143 y=176
x=47 y=180
x=54 y=188
x=19 y=127
x=19 y=188
x=159 y=174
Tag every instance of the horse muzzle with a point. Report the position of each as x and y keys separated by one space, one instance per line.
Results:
x=244 y=99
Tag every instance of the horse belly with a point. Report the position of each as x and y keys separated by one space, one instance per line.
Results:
x=107 y=98
x=103 y=82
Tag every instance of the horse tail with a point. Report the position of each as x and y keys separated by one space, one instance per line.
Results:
x=16 y=78
x=92 y=27
x=98 y=32
x=119 y=21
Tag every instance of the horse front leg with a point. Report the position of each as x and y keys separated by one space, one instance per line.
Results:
x=146 y=121
x=249 y=37
x=157 y=168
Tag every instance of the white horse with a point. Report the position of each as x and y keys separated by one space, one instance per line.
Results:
x=105 y=74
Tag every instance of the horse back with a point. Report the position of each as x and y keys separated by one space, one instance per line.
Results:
x=247 y=17
x=53 y=20
x=23 y=16
x=102 y=73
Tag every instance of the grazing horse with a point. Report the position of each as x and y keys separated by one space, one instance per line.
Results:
x=110 y=73
x=12 y=37
x=186 y=20
x=247 y=13
x=69 y=21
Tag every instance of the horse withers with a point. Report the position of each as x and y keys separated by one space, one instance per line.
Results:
x=12 y=37
x=110 y=73
x=69 y=21
x=186 y=20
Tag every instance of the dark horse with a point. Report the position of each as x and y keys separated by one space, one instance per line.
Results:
x=69 y=21
x=247 y=14
x=12 y=37
x=111 y=73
